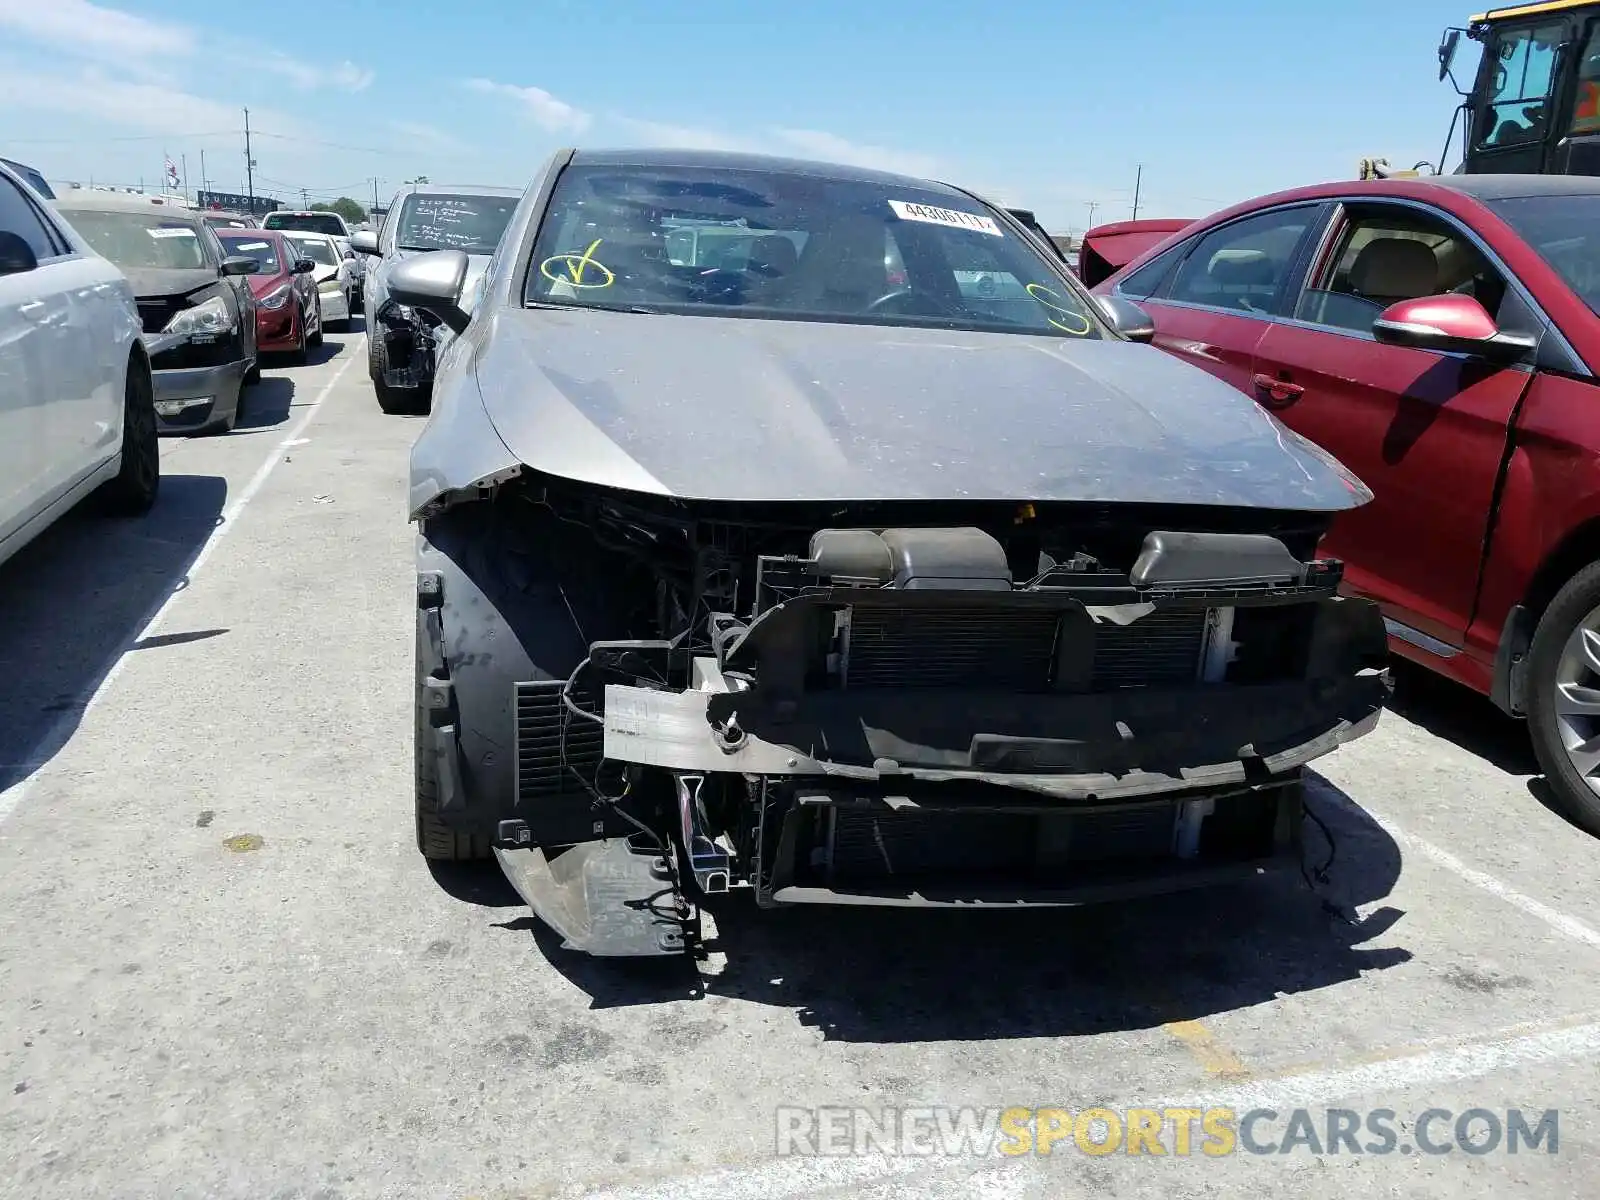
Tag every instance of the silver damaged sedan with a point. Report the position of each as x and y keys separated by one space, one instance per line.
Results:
x=808 y=532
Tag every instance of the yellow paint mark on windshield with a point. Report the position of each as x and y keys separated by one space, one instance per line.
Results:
x=1062 y=314
x=576 y=266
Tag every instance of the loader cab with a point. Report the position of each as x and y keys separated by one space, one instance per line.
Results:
x=1534 y=106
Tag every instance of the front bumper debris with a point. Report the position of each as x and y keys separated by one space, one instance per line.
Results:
x=195 y=382
x=410 y=347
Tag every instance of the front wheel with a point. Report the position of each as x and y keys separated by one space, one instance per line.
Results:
x=1564 y=696
x=298 y=354
x=316 y=338
x=133 y=491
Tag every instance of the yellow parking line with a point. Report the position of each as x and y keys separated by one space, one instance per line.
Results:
x=1218 y=1061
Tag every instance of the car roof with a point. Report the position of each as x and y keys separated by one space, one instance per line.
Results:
x=461 y=189
x=724 y=160
x=88 y=200
x=1516 y=187
x=253 y=235
x=303 y=212
x=1425 y=187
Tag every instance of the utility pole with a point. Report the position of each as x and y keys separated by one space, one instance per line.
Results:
x=184 y=159
x=305 y=198
x=1138 y=181
x=249 y=165
x=374 y=193
x=205 y=184
x=1093 y=204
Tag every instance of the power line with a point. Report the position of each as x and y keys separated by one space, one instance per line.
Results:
x=95 y=141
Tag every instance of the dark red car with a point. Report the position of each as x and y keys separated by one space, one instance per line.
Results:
x=288 y=309
x=1439 y=336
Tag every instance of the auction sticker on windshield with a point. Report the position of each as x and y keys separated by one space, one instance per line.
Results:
x=170 y=231
x=929 y=215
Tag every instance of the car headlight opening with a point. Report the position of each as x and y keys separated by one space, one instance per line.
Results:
x=209 y=316
x=276 y=298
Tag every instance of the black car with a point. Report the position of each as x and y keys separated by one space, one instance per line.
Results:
x=198 y=312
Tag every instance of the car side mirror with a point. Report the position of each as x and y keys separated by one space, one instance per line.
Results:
x=364 y=241
x=239 y=264
x=304 y=266
x=16 y=256
x=1127 y=318
x=433 y=283
x=1449 y=324
x=350 y=254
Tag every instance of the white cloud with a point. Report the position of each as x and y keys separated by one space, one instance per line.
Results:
x=814 y=143
x=545 y=110
x=149 y=50
x=685 y=137
x=428 y=137
x=309 y=76
x=799 y=143
x=137 y=104
x=89 y=30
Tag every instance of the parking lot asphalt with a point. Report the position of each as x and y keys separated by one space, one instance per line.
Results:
x=225 y=970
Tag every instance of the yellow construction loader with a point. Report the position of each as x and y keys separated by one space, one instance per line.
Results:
x=1533 y=103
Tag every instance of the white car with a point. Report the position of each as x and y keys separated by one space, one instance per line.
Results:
x=77 y=406
x=318 y=220
x=332 y=274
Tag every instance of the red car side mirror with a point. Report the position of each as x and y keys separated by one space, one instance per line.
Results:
x=1451 y=324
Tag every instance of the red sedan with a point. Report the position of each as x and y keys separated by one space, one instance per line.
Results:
x=288 y=308
x=1440 y=337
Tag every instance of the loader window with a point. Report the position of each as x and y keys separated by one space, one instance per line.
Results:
x=1586 y=101
x=1518 y=78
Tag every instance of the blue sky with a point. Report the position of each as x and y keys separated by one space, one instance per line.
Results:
x=1049 y=105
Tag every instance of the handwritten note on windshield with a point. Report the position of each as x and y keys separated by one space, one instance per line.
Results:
x=446 y=222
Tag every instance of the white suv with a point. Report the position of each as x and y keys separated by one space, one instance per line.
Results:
x=77 y=411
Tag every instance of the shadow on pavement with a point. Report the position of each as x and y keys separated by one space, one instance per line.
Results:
x=897 y=975
x=266 y=404
x=1457 y=714
x=74 y=598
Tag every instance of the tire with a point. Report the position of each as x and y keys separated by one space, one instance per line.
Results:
x=435 y=839
x=1573 y=605
x=315 y=339
x=253 y=375
x=377 y=358
x=133 y=491
x=298 y=354
x=395 y=401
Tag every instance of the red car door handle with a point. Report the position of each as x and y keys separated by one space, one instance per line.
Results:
x=1279 y=390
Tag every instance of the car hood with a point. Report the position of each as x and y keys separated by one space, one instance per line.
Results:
x=260 y=285
x=159 y=281
x=738 y=409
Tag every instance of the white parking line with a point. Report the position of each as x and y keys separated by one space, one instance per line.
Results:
x=997 y=1178
x=1559 y=921
x=61 y=731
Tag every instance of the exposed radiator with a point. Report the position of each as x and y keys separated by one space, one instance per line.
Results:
x=1161 y=647
x=864 y=845
x=1012 y=650
x=540 y=714
x=951 y=647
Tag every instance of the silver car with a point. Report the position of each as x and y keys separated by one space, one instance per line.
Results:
x=403 y=344
x=746 y=563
